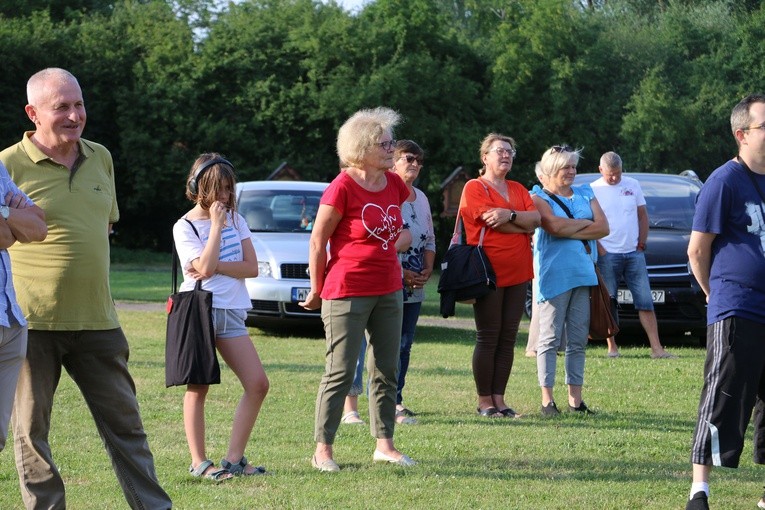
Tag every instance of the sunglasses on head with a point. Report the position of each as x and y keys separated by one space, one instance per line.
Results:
x=561 y=148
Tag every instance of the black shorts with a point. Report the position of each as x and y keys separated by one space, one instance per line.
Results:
x=734 y=384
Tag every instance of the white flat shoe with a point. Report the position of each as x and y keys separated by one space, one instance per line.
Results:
x=404 y=460
x=327 y=466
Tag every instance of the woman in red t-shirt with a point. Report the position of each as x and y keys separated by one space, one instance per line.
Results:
x=359 y=286
x=505 y=209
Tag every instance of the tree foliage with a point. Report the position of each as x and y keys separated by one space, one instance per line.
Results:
x=267 y=81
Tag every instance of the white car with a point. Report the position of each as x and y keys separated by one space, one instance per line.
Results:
x=280 y=215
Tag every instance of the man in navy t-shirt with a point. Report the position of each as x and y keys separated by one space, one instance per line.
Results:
x=727 y=255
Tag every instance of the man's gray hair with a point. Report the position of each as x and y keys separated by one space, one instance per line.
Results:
x=611 y=160
x=36 y=84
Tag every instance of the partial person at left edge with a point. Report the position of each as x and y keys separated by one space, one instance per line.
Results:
x=24 y=222
x=64 y=293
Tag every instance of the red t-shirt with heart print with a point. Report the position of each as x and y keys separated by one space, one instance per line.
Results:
x=362 y=253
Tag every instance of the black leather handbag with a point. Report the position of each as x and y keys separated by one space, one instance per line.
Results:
x=466 y=273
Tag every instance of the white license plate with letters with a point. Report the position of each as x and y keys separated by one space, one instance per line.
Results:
x=300 y=293
x=624 y=296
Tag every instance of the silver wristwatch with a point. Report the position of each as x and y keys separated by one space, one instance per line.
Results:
x=5 y=211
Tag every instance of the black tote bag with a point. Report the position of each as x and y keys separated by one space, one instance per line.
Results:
x=190 y=356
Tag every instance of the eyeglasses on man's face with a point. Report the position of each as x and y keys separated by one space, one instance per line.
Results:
x=411 y=159
x=503 y=152
x=759 y=126
x=561 y=148
x=387 y=145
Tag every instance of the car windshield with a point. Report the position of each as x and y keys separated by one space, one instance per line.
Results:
x=670 y=203
x=279 y=210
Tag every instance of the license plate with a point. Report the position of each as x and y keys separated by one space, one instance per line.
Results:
x=624 y=296
x=299 y=293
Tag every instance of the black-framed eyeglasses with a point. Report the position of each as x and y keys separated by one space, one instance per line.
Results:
x=503 y=152
x=760 y=126
x=388 y=145
x=411 y=159
x=561 y=148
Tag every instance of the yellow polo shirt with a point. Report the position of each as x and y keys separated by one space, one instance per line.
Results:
x=62 y=283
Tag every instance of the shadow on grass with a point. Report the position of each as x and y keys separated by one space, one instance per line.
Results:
x=627 y=422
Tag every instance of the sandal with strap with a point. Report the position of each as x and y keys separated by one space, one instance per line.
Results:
x=403 y=419
x=216 y=475
x=406 y=412
x=239 y=468
x=352 y=418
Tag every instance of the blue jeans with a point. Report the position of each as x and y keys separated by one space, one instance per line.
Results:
x=409 y=323
x=357 y=388
x=631 y=268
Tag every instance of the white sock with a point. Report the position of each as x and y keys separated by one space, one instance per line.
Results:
x=699 y=487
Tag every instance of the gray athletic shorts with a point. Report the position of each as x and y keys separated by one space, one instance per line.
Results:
x=229 y=322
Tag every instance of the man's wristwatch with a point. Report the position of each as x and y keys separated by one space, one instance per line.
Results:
x=513 y=215
x=5 y=211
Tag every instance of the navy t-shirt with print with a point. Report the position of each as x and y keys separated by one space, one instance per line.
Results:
x=730 y=206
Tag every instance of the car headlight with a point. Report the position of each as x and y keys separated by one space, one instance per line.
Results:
x=264 y=270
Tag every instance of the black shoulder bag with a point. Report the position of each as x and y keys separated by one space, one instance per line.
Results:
x=466 y=273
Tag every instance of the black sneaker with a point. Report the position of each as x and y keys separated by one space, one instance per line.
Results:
x=698 y=502
x=550 y=409
x=581 y=408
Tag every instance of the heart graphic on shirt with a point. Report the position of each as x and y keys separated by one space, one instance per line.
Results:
x=381 y=223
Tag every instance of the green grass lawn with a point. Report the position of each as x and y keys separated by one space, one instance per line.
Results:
x=633 y=453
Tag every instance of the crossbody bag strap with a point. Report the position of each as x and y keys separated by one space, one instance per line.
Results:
x=568 y=212
x=459 y=223
x=175 y=259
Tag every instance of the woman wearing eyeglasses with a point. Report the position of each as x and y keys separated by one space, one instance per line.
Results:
x=416 y=261
x=506 y=213
x=564 y=256
x=358 y=286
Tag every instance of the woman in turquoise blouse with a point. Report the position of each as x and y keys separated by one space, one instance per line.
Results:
x=564 y=256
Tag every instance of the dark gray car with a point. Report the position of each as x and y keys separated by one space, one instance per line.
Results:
x=679 y=302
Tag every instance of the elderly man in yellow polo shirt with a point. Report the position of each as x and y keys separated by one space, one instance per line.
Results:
x=63 y=289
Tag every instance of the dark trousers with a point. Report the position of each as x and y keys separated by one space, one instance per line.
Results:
x=734 y=382
x=97 y=362
x=497 y=316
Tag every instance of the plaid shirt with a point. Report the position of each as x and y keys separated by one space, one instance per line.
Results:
x=9 y=309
